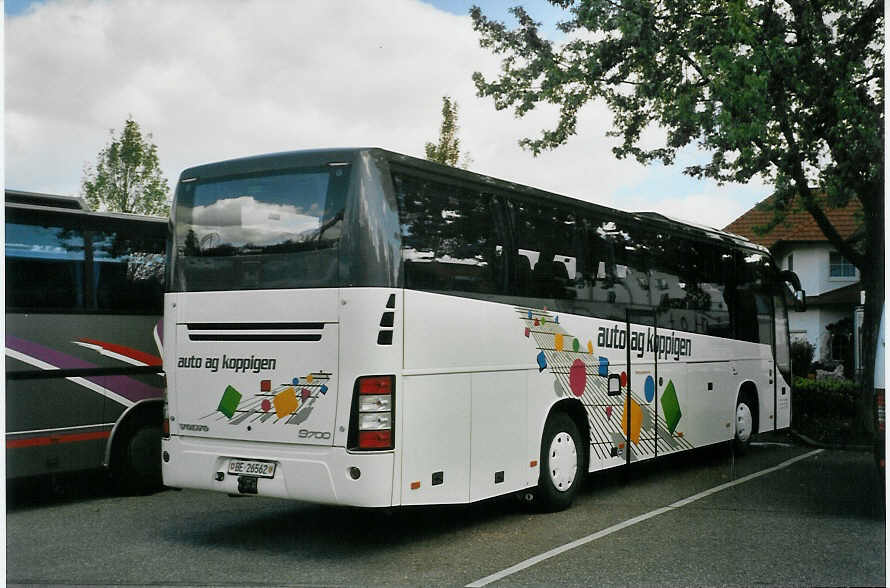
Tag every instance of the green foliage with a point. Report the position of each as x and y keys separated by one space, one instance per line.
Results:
x=127 y=177
x=447 y=150
x=823 y=398
x=792 y=91
x=802 y=357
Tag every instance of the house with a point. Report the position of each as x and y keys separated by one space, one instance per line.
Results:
x=830 y=281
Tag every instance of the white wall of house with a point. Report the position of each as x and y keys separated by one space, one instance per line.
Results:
x=811 y=325
x=812 y=265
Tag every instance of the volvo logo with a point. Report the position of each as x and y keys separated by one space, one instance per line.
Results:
x=196 y=428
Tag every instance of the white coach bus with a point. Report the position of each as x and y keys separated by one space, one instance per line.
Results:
x=360 y=327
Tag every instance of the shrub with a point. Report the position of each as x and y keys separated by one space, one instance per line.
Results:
x=802 y=357
x=818 y=398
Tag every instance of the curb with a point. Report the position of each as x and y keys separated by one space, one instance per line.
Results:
x=840 y=446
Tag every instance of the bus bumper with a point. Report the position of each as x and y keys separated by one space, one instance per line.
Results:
x=315 y=474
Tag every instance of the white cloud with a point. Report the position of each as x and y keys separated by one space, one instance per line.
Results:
x=214 y=80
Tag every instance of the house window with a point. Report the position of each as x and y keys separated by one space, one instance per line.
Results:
x=838 y=267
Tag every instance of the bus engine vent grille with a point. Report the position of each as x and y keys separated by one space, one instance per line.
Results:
x=255 y=331
x=387 y=322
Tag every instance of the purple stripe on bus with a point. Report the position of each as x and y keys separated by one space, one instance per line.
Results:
x=125 y=386
x=159 y=329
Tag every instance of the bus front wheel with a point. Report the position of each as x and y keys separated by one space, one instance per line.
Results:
x=561 y=463
x=745 y=421
x=136 y=468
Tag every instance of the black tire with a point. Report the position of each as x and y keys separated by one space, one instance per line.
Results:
x=136 y=468
x=745 y=423
x=559 y=478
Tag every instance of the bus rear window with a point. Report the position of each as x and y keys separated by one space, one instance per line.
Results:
x=264 y=230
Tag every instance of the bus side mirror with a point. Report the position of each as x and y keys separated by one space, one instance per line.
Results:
x=800 y=296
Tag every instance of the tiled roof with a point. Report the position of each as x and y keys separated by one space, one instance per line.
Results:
x=799 y=224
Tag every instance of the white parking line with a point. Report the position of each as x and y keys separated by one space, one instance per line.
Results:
x=630 y=522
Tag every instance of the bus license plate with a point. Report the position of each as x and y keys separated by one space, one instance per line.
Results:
x=246 y=467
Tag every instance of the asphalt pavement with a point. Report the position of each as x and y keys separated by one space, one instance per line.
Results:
x=782 y=514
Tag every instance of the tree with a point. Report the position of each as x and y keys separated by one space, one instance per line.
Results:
x=127 y=177
x=791 y=90
x=447 y=150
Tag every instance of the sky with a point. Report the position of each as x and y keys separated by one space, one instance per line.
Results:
x=214 y=80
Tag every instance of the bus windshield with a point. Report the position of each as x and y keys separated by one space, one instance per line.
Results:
x=276 y=229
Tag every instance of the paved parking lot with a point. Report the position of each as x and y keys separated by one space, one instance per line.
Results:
x=762 y=518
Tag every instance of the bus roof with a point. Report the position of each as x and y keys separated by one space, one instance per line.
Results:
x=40 y=199
x=68 y=205
x=656 y=220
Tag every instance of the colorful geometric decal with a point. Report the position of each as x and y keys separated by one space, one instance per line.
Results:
x=649 y=388
x=671 y=407
x=578 y=377
x=647 y=418
x=291 y=404
x=542 y=362
x=228 y=404
x=285 y=402
x=580 y=373
x=636 y=421
x=604 y=367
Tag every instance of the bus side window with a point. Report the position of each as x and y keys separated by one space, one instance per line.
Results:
x=129 y=271
x=448 y=240
x=752 y=300
x=546 y=264
x=44 y=266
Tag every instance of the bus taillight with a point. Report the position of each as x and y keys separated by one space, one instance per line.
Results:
x=165 y=424
x=371 y=426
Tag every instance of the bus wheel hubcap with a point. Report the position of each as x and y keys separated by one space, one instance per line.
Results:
x=744 y=422
x=563 y=461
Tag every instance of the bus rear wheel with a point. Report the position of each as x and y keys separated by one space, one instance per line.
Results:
x=561 y=463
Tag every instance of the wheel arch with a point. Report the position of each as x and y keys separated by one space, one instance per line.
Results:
x=748 y=390
x=142 y=411
x=575 y=410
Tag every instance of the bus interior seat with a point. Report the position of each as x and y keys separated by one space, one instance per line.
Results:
x=551 y=279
